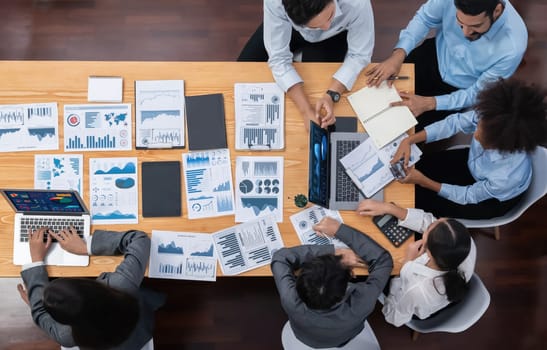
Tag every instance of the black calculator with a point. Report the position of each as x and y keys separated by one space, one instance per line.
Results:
x=388 y=224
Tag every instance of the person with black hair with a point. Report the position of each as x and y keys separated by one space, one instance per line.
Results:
x=476 y=41
x=110 y=312
x=323 y=31
x=487 y=179
x=325 y=308
x=436 y=269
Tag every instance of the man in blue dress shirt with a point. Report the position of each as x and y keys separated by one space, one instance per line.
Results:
x=323 y=31
x=476 y=41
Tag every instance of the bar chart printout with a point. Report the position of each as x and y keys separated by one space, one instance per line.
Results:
x=159 y=109
x=97 y=127
x=208 y=179
x=248 y=245
x=182 y=255
x=58 y=171
x=29 y=127
x=259 y=116
x=304 y=220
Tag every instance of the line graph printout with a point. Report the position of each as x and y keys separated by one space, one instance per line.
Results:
x=97 y=127
x=369 y=167
x=29 y=127
x=259 y=188
x=182 y=256
x=304 y=220
x=159 y=109
x=248 y=245
x=259 y=116
x=208 y=179
x=58 y=172
x=113 y=191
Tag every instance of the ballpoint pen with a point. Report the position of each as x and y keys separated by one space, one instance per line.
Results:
x=398 y=77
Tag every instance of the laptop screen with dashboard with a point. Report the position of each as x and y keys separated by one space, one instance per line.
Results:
x=45 y=202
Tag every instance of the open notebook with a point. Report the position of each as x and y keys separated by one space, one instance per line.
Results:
x=382 y=122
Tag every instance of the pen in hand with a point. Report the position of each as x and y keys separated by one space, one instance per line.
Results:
x=398 y=77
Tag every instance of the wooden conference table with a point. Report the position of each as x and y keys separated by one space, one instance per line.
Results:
x=65 y=82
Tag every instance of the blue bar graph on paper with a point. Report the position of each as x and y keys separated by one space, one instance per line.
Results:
x=194 y=180
x=92 y=142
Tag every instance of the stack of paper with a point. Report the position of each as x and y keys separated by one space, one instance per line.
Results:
x=382 y=122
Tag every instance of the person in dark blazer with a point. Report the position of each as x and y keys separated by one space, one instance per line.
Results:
x=325 y=307
x=110 y=312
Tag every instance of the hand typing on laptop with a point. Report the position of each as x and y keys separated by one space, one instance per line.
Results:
x=38 y=248
x=67 y=238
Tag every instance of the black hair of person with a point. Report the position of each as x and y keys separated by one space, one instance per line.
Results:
x=100 y=316
x=476 y=7
x=322 y=281
x=303 y=11
x=512 y=115
x=449 y=244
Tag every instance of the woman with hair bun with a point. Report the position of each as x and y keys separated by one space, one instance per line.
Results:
x=436 y=269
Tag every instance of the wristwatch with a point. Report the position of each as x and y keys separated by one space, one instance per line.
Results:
x=335 y=96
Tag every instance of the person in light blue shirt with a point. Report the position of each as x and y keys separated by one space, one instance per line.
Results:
x=476 y=41
x=323 y=31
x=488 y=178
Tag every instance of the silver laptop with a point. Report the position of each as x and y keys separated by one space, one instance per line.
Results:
x=328 y=184
x=54 y=209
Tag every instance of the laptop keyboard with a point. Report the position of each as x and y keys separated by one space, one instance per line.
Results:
x=55 y=224
x=346 y=191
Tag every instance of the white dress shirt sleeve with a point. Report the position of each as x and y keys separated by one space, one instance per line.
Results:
x=360 y=44
x=417 y=220
x=277 y=38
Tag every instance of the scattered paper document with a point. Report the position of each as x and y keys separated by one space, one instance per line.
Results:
x=259 y=116
x=382 y=122
x=369 y=167
x=208 y=179
x=260 y=188
x=159 y=113
x=58 y=172
x=97 y=127
x=104 y=89
x=113 y=191
x=247 y=246
x=29 y=127
x=182 y=256
x=304 y=221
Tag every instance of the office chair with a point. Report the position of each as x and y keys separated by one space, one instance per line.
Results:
x=537 y=189
x=366 y=340
x=458 y=317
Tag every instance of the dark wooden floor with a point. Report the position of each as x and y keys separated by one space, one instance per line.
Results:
x=244 y=313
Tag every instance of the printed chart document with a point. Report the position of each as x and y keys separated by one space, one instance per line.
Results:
x=58 y=172
x=382 y=122
x=29 y=127
x=208 y=178
x=97 y=127
x=369 y=167
x=260 y=116
x=259 y=189
x=113 y=191
x=182 y=256
x=304 y=220
x=159 y=109
x=247 y=246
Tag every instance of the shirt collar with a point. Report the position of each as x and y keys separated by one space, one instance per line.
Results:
x=420 y=268
x=337 y=13
x=497 y=25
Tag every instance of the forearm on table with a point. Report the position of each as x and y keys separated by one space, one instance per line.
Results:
x=298 y=96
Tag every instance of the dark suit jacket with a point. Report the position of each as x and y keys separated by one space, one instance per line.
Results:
x=336 y=326
x=135 y=246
